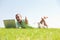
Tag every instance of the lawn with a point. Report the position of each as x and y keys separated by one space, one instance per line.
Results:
x=29 y=34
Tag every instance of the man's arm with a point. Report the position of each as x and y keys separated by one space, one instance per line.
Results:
x=26 y=20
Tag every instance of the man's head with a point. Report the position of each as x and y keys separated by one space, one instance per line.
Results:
x=18 y=17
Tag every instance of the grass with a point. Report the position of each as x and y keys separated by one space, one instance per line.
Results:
x=29 y=34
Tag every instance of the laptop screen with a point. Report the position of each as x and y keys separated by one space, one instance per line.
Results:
x=10 y=23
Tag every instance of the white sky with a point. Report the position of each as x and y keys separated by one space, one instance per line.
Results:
x=33 y=9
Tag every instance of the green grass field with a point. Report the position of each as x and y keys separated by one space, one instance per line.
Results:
x=29 y=34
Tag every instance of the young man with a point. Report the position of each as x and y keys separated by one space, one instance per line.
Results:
x=42 y=23
x=22 y=23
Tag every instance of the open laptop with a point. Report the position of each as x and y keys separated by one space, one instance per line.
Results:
x=9 y=23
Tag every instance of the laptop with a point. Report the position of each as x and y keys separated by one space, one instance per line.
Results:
x=10 y=23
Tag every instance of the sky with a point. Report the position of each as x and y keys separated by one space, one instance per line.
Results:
x=33 y=9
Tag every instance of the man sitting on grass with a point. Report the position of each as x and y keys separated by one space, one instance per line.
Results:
x=22 y=23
